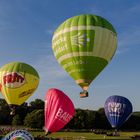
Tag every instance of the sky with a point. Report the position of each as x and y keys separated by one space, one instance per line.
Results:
x=26 y=30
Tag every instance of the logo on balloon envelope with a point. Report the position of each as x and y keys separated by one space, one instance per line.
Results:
x=13 y=80
x=116 y=109
x=79 y=40
x=19 y=134
x=63 y=115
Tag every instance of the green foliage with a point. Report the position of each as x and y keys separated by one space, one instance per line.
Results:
x=83 y=119
x=37 y=104
x=33 y=116
x=16 y=120
x=35 y=119
x=22 y=111
x=79 y=119
x=90 y=121
x=5 y=118
x=88 y=135
x=101 y=121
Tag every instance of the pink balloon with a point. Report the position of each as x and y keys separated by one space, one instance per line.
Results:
x=59 y=110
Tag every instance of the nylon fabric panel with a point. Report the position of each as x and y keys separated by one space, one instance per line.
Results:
x=81 y=41
x=59 y=110
x=18 y=82
x=88 y=68
x=17 y=96
x=117 y=109
x=18 y=66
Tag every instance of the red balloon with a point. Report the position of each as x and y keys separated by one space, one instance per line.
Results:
x=59 y=110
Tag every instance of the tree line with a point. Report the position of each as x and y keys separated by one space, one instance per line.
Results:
x=32 y=115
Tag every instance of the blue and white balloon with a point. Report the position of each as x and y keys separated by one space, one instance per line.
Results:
x=117 y=109
x=18 y=135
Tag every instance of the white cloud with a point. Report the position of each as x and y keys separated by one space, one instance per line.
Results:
x=51 y=74
x=50 y=31
x=130 y=37
x=128 y=40
x=135 y=8
x=122 y=50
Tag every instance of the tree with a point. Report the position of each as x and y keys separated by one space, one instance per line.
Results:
x=22 y=111
x=79 y=119
x=101 y=120
x=37 y=104
x=16 y=120
x=90 y=119
x=133 y=122
x=5 y=117
x=35 y=119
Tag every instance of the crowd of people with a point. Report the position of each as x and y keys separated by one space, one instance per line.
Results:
x=6 y=130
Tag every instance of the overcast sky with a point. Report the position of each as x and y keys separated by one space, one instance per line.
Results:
x=26 y=30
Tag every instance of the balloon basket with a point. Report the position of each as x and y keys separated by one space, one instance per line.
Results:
x=83 y=94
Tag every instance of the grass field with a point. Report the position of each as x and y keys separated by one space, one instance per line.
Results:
x=87 y=135
x=75 y=135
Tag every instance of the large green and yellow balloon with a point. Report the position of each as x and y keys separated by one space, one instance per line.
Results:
x=18 y=81
x=83 y=45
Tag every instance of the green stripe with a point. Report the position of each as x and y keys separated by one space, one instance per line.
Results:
x=88 y=66
x=99 y=41
x=19 y=67
x=86 y=19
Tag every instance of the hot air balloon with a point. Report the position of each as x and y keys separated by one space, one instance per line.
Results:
x=18 y=135
x=18 y=82
x=117 y=109
x=83 y=45
x=59 y=110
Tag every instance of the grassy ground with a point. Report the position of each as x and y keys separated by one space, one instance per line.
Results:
x=86 y=135
x=80 y=135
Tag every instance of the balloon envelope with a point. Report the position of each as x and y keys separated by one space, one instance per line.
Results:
x=83 y=45
x=117 y=109
x=18 y=81
x=59 y=110
x=18 y=135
